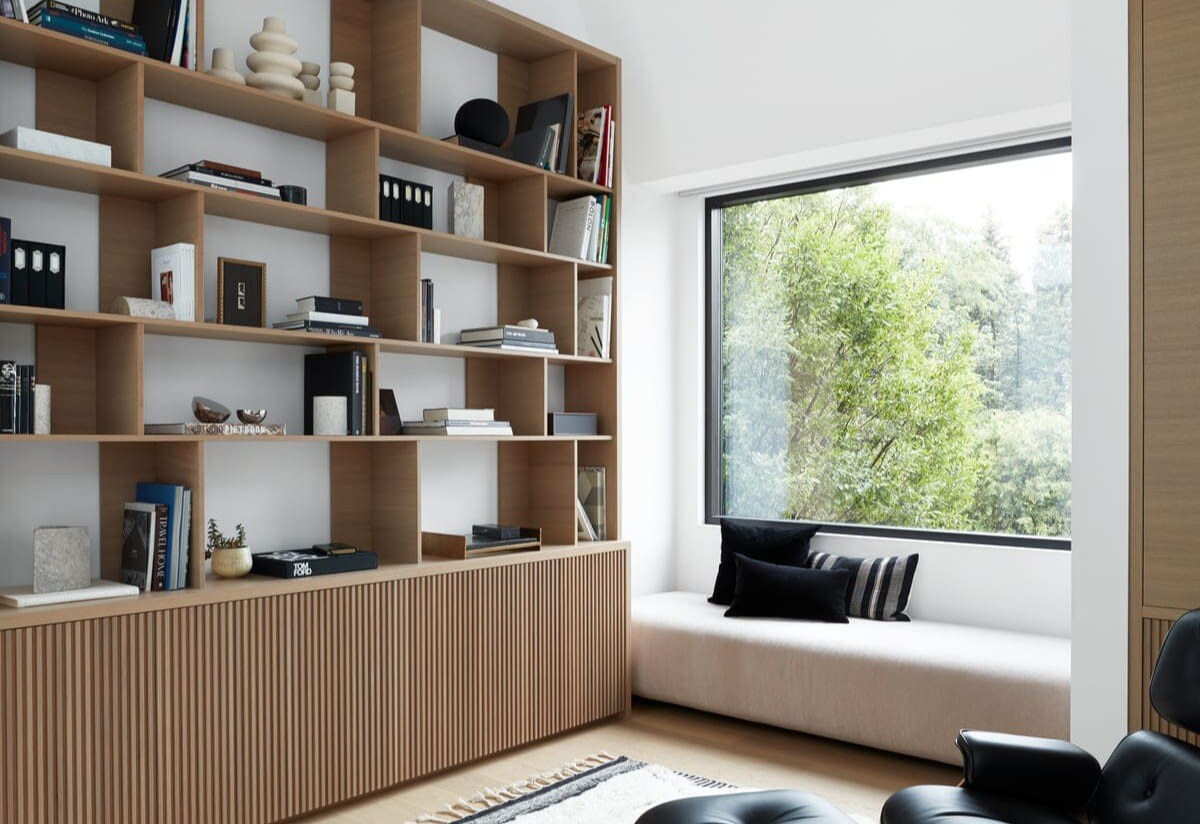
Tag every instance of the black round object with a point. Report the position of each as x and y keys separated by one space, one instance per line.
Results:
x=294 y=194
x=483 y=120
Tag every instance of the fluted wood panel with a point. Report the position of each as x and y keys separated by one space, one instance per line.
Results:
x=264 y=709
x=1154 y=632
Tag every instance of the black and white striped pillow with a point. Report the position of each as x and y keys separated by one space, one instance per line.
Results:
x=879 y=587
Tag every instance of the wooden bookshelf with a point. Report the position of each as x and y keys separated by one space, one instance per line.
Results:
x=545 y=633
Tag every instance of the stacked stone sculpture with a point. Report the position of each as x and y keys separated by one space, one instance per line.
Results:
x=272 y=66
x=310 y=76
x=341 y=88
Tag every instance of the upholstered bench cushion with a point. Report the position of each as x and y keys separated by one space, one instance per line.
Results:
x=774 y=807
x=904 y=687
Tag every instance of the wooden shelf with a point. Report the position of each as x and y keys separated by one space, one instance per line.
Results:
x=300 y=438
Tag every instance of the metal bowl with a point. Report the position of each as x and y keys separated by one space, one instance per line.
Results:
x=207 y=410
x=252 y=415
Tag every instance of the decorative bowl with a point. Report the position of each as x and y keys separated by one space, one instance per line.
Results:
x=207 y=410
x=252 y=415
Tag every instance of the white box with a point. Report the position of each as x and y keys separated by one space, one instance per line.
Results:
x=48 y=143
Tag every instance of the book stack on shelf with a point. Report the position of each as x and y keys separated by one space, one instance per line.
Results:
x=581 y=228
x=87 y=25
x=173 y=278
x=156 y=538
x=458 y=423
x=17 y=384
x=431 y=319
x=510 y=338
x=597 y=144
x=330 y=316
x=225 y=178
x=338 y=374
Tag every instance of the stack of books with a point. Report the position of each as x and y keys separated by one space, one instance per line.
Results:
x=581 y=228
x=510 y=338
x=156 y=539
x=458 y=422
x=88 y=25
x=330 y=316
x=17 y=382
x=597 y=145
x=224 y=177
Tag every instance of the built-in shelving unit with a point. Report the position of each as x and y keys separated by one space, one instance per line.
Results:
x=95 y=359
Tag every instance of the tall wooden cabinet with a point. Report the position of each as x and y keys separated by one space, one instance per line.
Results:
x=1165 y=333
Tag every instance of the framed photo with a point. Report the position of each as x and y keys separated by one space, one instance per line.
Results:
x=241 y=292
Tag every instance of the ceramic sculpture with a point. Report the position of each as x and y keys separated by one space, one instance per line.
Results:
x=273 y=69
x=341 y=88
x=310 y=76
x=223 y=66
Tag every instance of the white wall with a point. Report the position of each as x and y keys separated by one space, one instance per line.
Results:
x=1100 y=477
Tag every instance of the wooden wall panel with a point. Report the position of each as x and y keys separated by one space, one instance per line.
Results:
x=264 y=709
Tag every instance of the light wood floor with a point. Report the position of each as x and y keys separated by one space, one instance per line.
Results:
x=748 y=755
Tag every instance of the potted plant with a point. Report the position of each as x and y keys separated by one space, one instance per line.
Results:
x=230 y=555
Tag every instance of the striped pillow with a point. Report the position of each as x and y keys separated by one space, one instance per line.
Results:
x=879 y=587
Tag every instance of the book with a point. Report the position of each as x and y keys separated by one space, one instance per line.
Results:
x=99 y=19
x=190 y=428
x=573 y=224
x=459 y=428
x=219 y=170
x=586 y=532
x=329 y=317
x=609 y=163
x=592 y=134
x=173 y=278
x=506 y=346
x=336 y=373
x=184 y=565
x=305 y=563
x=19 y=274
x=37 y=273
x=158 y=567
x=26 y=382
x=593 y=494
x=84 y=30
x=5 y=260
x=217 y=181
x=8 y=397
x=214 y=166
x=138 y=534
x=427 y=310
x=24 y=596
x=507 y=333
x=319 y=328
x=158 y=23
x=55 y=262
x=170 y=496
x=536 y=118
x=57 y=145
x=443 y=413
x=338 y=306
x=594 y=317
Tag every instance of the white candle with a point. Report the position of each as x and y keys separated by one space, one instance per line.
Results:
x=329 y=415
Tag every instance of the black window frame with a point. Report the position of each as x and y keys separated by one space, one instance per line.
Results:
x=713 y=317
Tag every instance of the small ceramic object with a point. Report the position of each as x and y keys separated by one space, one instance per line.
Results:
x=224 y=66
x=341 y=69
x=341 y=88
x=528 y=323
x=62 y=558
x=41 y=409
x=252 y=415
x=233 y=562
x=273 y=69
x=329 y=415
x=310 y=76
x=207 y=410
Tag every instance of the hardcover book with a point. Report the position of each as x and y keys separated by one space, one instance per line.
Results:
x=19 y=273
x=305 y=563
x=509 y=333
x=93 y=32
x=574 y=222
x=37 y=273
x=317 y=327
x=83 y=14
x=5 y=260
x=592 y=135
x=337 y=306
x=173 y=278
x=26 y=382
x=536 y=118
x=256 y=429
x=443 y=413
x=170 y=496
x=138 y=533
x=158 y=581
x=330 y=317
x=55 y=261
x=8 y=398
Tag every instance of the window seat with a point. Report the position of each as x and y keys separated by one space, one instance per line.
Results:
x=904 y=687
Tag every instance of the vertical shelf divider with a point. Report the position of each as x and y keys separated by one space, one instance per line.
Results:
x=352 y=174
x=382 y=40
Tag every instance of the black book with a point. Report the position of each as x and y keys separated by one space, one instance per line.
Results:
x=408 y=204
x=427 y=208
x=427 y=310
x=304 y=563
x=157 y=21
x=8 y=398
x=338 y=306
x=55 y=261
x=535 y=118
x=37 y=273
x=5 y=260
x=26 y=381
x=385 y=189
x=335 y=373
x=396 y=206
x=20 y=273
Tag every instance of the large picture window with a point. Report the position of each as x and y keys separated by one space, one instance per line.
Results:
x=892 y=350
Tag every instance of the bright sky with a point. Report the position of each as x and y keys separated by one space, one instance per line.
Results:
x=1022 y=194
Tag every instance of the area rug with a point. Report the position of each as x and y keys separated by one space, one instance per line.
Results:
x=599 y=789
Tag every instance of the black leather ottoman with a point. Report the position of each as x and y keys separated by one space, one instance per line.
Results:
x=774 y=807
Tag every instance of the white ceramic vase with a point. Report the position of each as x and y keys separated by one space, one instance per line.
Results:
x=233 y=562
x=224 y=67
x=273 y=69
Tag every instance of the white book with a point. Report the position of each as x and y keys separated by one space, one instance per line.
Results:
x=224 y=182
x=593 y=252
x=180 y=28
x=26 y=597
x=330 y=317
x=573 y=222
x=452 y=414
x=478 y=431
x=595 y=317
x=48 y=143
x=173 y=278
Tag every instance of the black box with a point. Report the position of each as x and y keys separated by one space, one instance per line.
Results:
x=20 y=273
x=572 y=423
x=56 y=275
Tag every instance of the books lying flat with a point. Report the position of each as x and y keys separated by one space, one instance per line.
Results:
x=57 y=20
x=224 y=183
x=330 y=317
x=338 y=306
x=26 y=597
x=318 y=327
x=216 y=429
x=507 y=334
x=448 y=414
x=70 y=148
x=304 y=563
x=459 y=428
x=540 y=348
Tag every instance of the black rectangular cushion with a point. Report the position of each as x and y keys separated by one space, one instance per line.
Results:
x=776 y=543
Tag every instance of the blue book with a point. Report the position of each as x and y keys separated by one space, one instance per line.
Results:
x=171 y=495
x=65 y=24
x=5 y=260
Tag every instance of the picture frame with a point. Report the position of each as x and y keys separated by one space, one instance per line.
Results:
x=241 y=292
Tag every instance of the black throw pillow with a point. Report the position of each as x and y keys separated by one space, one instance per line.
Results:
x=771 y=591
x=784 y=544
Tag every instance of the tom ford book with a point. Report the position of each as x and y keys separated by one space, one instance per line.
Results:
x=305 y=563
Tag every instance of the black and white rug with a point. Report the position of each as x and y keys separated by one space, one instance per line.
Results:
x=600 y=789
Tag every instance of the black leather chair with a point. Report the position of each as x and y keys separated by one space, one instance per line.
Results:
x=771 y=807
x=1010 y=779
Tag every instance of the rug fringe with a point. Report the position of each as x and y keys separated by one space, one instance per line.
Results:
x=494 y=796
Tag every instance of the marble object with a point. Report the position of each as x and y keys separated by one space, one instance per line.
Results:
x=144 y=308
x=233 y=562
x=207 y=410
x=466 y=209
x=329 y=415
x=310 y=76
x=224 y=66
x=341 y=88
x=273 y=68
x=528 y=323
x=252 y=415
x=41 y=409
x=62 y=558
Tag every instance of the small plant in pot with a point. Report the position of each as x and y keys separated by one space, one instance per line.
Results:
x=230 y=555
